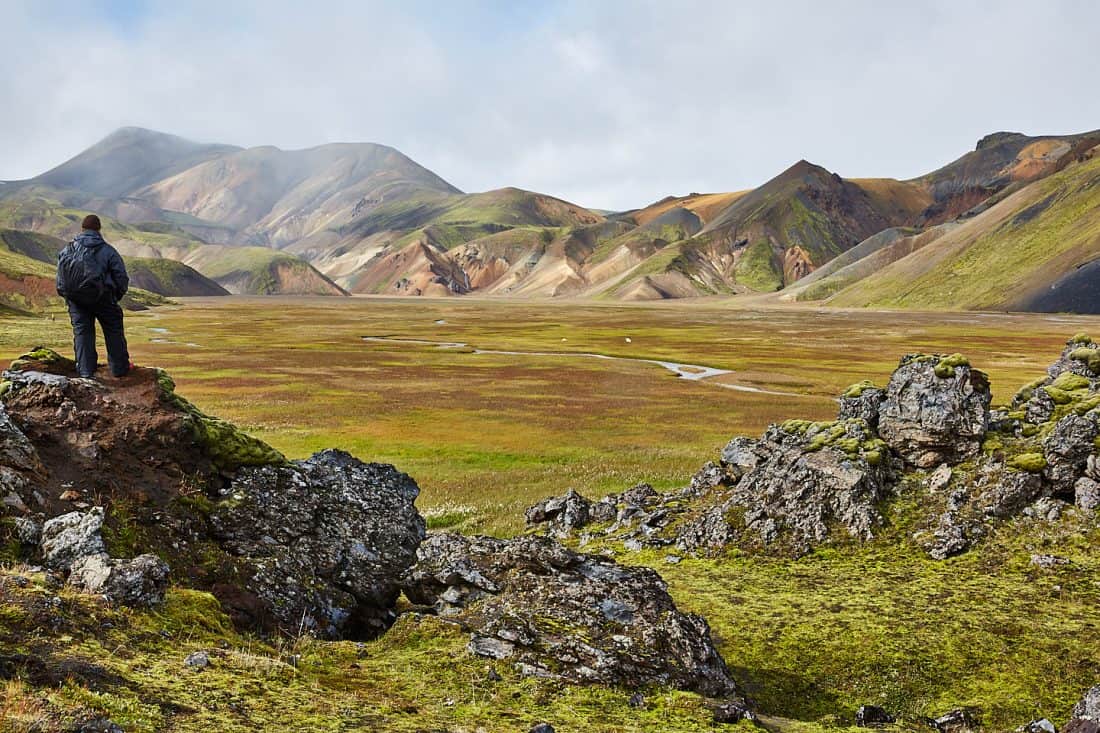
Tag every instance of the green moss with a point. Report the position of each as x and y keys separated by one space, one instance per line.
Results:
x=42 y=355
x=1069 y=382
x=228 y=446
x=1060 y=396
x=993 y=442
x=857 y=389
x=1030 y=462
x=946 y=366
x=1088 y=356
x=1028 y=390
x=1081 y=338
x=757 y=268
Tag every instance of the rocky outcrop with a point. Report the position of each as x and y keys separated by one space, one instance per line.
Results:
x=71 y=537
x=935 y=410
x=316 y=545
x=141 y=581
x=323 y=541
x=72 y=543
x=930 y=434
x=807 y=480
x=552 y=612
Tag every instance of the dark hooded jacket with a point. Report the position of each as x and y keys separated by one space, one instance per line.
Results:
x=109 y=260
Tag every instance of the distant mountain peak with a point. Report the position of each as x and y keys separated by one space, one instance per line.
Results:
x=997 y=138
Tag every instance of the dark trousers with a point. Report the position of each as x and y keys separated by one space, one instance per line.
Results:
x=109 y=315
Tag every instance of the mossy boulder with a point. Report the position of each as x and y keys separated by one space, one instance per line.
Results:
x=552 y=612
x=936 y=410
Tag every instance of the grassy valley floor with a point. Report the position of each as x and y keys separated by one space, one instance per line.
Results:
x=486 y=435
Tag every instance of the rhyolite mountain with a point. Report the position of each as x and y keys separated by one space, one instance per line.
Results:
x=364 y=218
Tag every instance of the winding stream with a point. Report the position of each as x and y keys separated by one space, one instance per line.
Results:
x=693 y=372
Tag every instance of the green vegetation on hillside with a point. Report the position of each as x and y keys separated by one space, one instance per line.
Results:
x=756 y=268
x=1046 y=230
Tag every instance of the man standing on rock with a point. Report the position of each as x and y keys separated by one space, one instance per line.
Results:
x=92 y=278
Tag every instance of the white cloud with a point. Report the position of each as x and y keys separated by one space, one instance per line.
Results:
x=611 y=104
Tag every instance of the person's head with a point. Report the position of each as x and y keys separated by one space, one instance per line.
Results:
x=91 y=221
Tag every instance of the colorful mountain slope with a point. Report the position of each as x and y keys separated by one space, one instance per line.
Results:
x=1020 y=253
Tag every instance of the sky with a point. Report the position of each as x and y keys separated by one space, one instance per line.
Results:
x=610 y=104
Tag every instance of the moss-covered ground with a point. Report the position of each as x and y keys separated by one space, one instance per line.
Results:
x=486 y=435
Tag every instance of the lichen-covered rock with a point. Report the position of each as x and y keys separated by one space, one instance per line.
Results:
x=739 y=456
x=808 y=480
x=1081 y=356
x=16 y=451
x=1086 y=493
x=1066 y=451
x=556 y=613
x=560 y=514
x=936 y=410
x=1088 y=707
x=957 y=721
x=141 y=581
x=323 y=541
x=1086 y=714
x=28 y=531
x=863 y=401
x=72 y=536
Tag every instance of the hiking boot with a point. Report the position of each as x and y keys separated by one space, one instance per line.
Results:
x=129 y=368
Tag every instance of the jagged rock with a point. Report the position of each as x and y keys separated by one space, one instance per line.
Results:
x=1086 y=492
x=1067 y=449
x=710 y=476
x=1040 y=408
x=940 y=478
x=21 y=379
x=542 y=728
x=141 y=581
x=936 y=410
x=1080 y=356
x=554 y=612
x=1048 y=562
x=561 y=514
x=732 y=712
x=98 y=725
x=1088 y=707
x=604 y=510
x=871 y=716
x=803 y=484
x=324 y=541
x=739 y=456
x=72 y=536
x=953 y=536
x=1039 y=726
x=198 y=661
x=1007 y=496
x=28 y=531
x=16 y=451
x=957 y=721
x=14 y=502
x=863 y=402
x=1086 y=714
